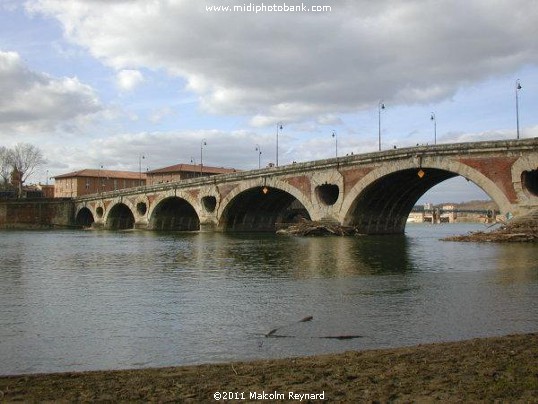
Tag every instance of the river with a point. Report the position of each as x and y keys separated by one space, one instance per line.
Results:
x=92 y=300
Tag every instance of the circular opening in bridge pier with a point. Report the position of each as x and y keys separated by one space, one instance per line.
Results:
x=328 y=193
x=529 y=179
x=141 y=208
x=209 y=203
x=99 y=212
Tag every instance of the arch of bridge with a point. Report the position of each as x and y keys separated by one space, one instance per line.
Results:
x=116 y=202
x=446 y=164
x=80 y=206
x=270 y=182
x=174 y=193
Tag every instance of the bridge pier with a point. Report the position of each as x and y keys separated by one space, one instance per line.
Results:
x=141 y=225
x=98 y=225
x=208 y=227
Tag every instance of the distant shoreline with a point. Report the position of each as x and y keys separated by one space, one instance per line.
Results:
x=485 y=369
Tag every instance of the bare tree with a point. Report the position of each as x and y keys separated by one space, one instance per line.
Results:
x=25 y=158
x=5 y=166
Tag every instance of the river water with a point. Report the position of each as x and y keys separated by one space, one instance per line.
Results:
x=88 y=300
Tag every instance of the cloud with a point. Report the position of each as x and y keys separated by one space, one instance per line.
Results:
x=33 y=102
x=121 y=152
x=158 y=115
x=501 y=134
x=128 y=80
x=294 y=66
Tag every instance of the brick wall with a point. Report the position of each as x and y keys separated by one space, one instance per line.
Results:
x=36 y=214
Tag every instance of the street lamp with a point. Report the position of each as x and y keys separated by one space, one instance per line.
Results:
x=202 y=144
x=335 y=143
x=434 y=119
x=279 y=127
x=380 y=106
x=518 y=87
x=140 y=157
x=259 y=150
x=99 y=183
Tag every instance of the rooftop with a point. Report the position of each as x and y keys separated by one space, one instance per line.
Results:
x=130 y=175
x=192 y=168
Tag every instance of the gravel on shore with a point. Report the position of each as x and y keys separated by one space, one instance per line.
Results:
x=497 y=369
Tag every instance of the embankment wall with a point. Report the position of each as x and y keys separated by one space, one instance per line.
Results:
x=36 y=213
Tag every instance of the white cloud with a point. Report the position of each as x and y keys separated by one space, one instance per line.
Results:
x=121 y=152
x=33 y=102
x=9 y=5
x=292 y=66
x=158 y=115
x=504 y=134
x=128 y=80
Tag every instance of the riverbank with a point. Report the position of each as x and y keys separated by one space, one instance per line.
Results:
x=522 y=229
x=488 y=369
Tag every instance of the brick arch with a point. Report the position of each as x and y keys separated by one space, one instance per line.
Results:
x=187 y=196
x=81 y=218
x=381 y=201
x=171 y=194
x=80 y=206
x=119 y=222
x=273 y=185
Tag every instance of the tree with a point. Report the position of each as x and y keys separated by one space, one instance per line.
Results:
x=25 y=158
x=5 y=167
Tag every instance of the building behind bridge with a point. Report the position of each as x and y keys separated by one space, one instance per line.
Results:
x=472 y=211
x=180 y=172
x=91 y=181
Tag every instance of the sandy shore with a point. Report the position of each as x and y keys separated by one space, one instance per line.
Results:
x=502 y=369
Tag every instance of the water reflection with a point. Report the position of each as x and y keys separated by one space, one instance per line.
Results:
x=296 y=256
x=517 y=263
x=95 y=300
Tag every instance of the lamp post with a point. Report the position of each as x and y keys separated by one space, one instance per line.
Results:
x=202 y=144
x=335 y=143
x=259 y=150
x=99 y=184
x=380 y=106
x=279 y=127
x=140 y=158
x=518 y=87
x=434 y=119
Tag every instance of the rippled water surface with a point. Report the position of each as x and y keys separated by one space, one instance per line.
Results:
x=84 y=300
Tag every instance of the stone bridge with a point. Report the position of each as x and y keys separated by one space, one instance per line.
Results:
x=374 y=191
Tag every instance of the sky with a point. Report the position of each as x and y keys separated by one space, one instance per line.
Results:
x=104 y=82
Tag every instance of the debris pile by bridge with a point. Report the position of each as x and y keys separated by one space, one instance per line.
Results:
x=310 y=228
x=522 y=229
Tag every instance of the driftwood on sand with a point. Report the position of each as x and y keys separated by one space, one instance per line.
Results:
x=523 y=229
